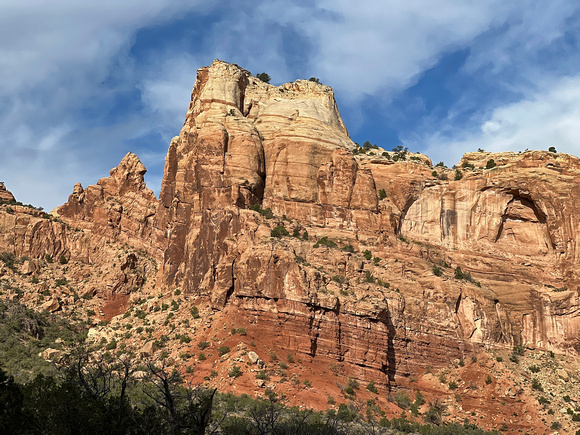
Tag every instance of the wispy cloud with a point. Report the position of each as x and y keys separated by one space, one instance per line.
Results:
x=549 y=117
x=85 y=82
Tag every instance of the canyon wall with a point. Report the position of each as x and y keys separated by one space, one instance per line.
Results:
x=390 y=264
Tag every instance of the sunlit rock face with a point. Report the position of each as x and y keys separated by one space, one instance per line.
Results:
x=390 y=264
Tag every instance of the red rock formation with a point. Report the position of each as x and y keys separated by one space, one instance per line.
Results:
x=5 y=195
x=374 y=285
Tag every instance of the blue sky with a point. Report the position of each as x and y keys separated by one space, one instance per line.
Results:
x=83 y=83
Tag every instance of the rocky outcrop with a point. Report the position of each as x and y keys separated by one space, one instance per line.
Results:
x=119 y=207
x=5 y=194
x=389 y=264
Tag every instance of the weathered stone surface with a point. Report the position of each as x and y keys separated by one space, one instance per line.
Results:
x=5 y=194
x=119 y=206
x=375 y=275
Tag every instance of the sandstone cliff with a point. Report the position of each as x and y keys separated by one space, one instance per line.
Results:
x=387 y=267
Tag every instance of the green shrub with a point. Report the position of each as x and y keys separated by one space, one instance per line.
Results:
x=325 y=241
x=203 y=345
x=194 y=312
x=402 y=400
x=453 y=385
x=202 y=357
x=544 y=401
x=534 y=368
x=112 y=344
x=278 y=231
x=552 y=150
x=536 y=385
x=437 y=271
x=490 y=164
x=235 y=372
x=371 y=387
x=264 y=77
x=339 y=279
x=62 y=260
x=367 y=254
x=382 y=194
x=348 y=248
x=140 y=314
x=488 y=380
x=267 y=213
x=262 y=375
x=222 y=350
x=458 y=175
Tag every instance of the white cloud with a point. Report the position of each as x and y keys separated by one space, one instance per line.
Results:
x=550 y=117
x=54 y=59
x=55 y=56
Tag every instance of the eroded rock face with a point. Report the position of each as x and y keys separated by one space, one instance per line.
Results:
x=5 y=194
x=245 y=142
x=391 y=264
x=120 y=207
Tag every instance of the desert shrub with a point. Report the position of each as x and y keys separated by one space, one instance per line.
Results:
x=194 y=312
x=488 y=380
x=536 y=385
x=534 y=368
x=235 y=372
x=382 y=194
x=543 y=401
x=369 y=277
x=371 y=387
x=264 y=77
x=267 y=213
x=202 y=357
x=367 y=254
x=402 y=400
x=490 y=164
x=325 y=241
x=458 y=175
x=348 y=248
x=62 y=260
x=262 y=375
x=203 y=345
x=279 y=231
x=222 y=350
x=437 y=271
x=339 y=279
x=453 y=385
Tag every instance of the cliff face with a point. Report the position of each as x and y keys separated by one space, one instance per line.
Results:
x=246 y=143
x=368 y=275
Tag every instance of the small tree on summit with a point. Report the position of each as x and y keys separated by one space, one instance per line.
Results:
x=490 y=164
x=552 y=150
x=264 y=77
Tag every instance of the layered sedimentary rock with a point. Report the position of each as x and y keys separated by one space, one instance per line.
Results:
x=247 y=143
x=5 y=194
x=389 y=264
x=119 y=207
